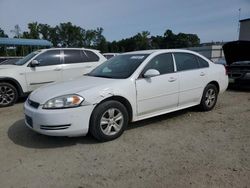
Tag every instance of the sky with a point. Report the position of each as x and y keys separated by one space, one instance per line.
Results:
x=211 y=20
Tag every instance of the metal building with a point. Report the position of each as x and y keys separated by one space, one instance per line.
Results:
x=244 y=29
x=212 y=52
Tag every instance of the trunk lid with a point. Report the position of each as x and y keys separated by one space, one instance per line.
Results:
x=237 y=51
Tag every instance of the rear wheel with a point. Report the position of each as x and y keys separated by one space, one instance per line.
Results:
x=108 y=120
x=209 y=97
x=8 y=94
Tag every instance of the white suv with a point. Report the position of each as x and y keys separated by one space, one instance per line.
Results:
x=43 y=67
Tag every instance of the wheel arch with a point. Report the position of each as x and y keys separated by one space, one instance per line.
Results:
x=123 y=101
x=15 y=83
x=216 y=85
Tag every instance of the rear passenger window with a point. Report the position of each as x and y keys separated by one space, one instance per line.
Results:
x=163 y=63
x=203 y=63
x=185 y=61
x=91 y=56
x=74 y=56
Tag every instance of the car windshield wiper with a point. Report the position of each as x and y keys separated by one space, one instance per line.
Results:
x=104 y=76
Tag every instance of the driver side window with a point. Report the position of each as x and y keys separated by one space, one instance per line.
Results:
x=51 y=57
x=163 y=63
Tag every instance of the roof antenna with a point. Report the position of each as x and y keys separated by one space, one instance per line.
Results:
x=238 y=29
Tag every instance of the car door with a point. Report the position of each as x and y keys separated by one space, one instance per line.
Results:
x=190 y=78
x=78 y=62
x=47 y=71
x=158 y=93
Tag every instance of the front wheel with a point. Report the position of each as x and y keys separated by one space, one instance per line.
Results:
x=209 y=97
x=108 y=120
x=8 y=94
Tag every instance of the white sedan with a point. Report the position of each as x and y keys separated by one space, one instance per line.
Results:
x=127 y=88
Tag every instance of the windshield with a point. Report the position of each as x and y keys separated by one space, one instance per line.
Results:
x=26 y=58
x=121 y=66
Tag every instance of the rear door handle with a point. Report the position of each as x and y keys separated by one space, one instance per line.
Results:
x=57 y=69
x=172 y=79
x=202 y=74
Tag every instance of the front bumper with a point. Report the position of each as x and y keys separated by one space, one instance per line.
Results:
x=59 y=122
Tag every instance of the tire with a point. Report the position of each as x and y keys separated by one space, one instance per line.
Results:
x=108 y=121
x=8 y=94
x=209 y=97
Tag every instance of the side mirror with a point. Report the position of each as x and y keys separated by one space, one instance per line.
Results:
x=34 y=63
x=151 y=73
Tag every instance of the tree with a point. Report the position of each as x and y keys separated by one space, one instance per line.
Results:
x=70 y=35
x=45 y=31
x=16 y=31
x=33 y=30
x=2 y=34
x=142 y=40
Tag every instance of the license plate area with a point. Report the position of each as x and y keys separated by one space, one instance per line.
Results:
x=231 y=80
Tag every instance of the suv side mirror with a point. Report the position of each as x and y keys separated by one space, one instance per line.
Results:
x=151 y=73
x=34 y=63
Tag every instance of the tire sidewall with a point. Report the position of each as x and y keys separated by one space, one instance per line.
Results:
x=95 y=127
x=203 y=104
x=15 y=92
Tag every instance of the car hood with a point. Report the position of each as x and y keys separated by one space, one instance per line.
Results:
x=236 y=51
x=43 y=94
x=8 y=66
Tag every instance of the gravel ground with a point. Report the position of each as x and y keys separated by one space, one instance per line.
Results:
x=182 y=149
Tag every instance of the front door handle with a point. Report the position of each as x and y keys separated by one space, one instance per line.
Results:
x=202 y=74
x=57 y=69
x=172 y=79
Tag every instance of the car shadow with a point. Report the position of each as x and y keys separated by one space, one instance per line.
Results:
x=22 y=99
x=23 y=136
x=237 y=88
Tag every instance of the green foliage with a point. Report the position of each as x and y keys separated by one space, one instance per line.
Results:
x=142 y=41
x=69 y=35
x=2 y=34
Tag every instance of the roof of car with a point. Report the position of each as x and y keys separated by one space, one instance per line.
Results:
x=158 y=50
x=68 y=49
x=110 y=53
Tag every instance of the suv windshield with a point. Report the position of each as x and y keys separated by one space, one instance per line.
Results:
x=119 y=67
x=26 y=58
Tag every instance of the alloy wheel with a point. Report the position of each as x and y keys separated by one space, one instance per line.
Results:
x=210 y=97
x=7 y=95
x=111 y=121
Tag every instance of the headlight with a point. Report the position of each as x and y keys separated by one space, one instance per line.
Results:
x=65 y=101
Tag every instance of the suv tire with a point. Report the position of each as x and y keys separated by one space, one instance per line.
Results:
x=8 y=94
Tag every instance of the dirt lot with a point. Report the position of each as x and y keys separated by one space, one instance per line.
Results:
x=183 y=149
